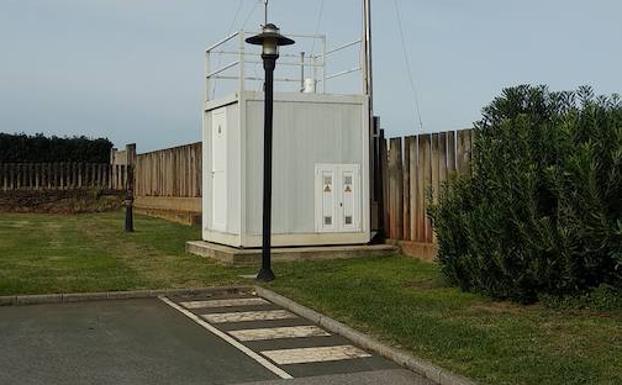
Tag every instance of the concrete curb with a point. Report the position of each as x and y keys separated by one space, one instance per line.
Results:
x=17 y=300
x=402 y=358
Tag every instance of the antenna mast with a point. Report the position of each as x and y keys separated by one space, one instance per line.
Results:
x=265 y=5
x=367 y=63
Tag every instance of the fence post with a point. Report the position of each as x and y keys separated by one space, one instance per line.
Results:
x=76 y=174
x=100 y=176
x=93 y=175
x=55 y=178
x=117 y=177
x=62 y=175
x=47 y=170
x=4 y=176
x=80 y=165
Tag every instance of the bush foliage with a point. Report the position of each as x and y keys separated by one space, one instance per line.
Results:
x=22 y=148
x=541 y=212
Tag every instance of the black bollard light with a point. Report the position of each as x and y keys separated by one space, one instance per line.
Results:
x=270 y=40
x=129 y=201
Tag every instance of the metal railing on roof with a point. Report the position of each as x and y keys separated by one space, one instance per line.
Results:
x=312 y=66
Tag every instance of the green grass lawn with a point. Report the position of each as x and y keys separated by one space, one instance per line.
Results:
x=405 y=302
x=397 y=299
x=63 y=254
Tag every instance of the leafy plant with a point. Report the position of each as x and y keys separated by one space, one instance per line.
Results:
x=541 y=212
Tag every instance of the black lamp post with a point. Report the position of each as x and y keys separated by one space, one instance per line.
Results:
x=129 y=200
x=270 y=39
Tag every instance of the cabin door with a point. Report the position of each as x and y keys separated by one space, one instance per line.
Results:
x=219 y=170
x=337 y=198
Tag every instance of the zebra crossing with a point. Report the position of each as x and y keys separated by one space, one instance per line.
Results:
x=286 y=344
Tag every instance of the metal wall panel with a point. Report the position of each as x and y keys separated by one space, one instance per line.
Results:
x=306 y=132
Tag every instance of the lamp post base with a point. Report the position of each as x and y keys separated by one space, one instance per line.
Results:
x=129 y=218
x=265 y=275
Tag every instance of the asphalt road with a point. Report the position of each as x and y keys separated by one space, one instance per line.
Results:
x=150 y=342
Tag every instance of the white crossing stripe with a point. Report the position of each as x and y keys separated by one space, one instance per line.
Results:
x=224 y=303
x=261 y=360
x=277 y=333
x=308 y=355
x=242 y=316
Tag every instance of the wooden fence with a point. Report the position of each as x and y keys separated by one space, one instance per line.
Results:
x=411 y=168
x=62 y=176
x=168 y=182
x=173 y=172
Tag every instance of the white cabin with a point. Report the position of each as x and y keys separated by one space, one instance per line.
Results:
x=321 y=179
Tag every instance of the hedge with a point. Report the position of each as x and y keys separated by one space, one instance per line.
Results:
x=22 y=148
x=541 y=212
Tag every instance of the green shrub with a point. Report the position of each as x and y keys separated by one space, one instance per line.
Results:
x=541 y=212
x=603 y=299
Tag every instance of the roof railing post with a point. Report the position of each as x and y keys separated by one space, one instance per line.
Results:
x=324 y=63
x=302 y=71
x=242 y=62
x=207 y=70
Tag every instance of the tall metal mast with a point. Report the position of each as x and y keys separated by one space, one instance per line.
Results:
x=367 y=61
x=375 y=172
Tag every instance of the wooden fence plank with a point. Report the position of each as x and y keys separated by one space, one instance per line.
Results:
x=412 y=165
x=451 y=152
x=406 y=188
x=426 y=161
x=396 y=188
x=463 y=154
x=435 y=167
x=442 y=159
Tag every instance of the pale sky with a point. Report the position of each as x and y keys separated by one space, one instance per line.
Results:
x=131 y=70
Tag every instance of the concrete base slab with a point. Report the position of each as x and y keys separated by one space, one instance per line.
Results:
x=234 y=256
